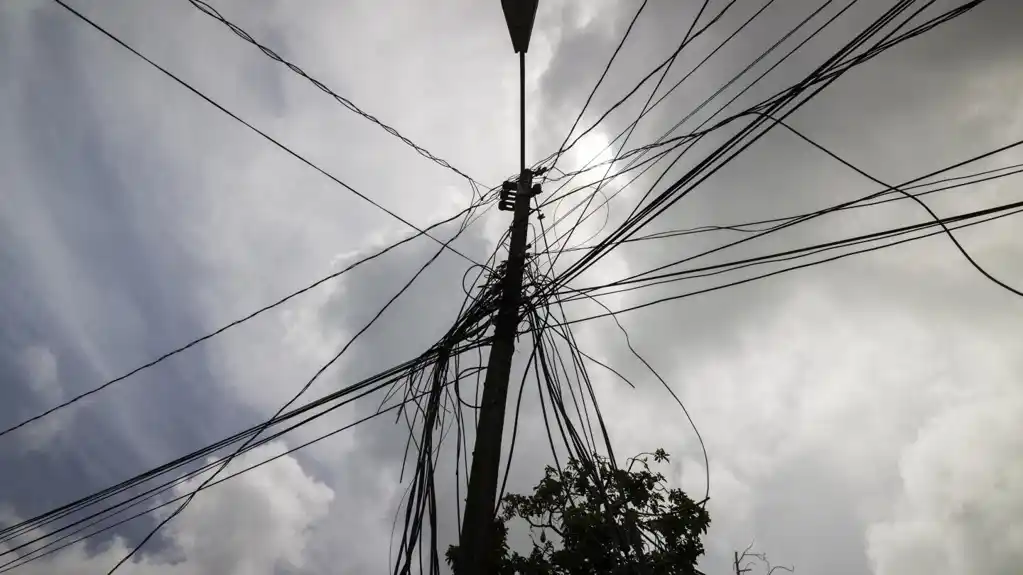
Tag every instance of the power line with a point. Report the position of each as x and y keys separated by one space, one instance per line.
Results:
x=692 y=139
x=818 y=80
x=607 y=68
x=425 y=379
x=790 y=254
x=666 y=63
x=265 y=136
x=216 y=15
x=252 y=315
x=20 y=561
x=323 y=368
x=221 y=329
x=372 y=384
x=770 y=274
x=744 y=227
x=836 y=207
x=694 y=136
x=646 y=105
x=284 y=407
x=948 y=232
x=685 y=411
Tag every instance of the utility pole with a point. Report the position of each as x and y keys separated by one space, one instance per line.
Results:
x=476 y=542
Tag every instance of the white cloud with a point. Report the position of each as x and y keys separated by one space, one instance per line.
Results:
x=252 y=525
x=798 y=385
x=40 y=371
x=40 y=367
x=962 y=494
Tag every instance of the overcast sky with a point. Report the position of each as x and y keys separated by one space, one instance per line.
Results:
x=860 y=416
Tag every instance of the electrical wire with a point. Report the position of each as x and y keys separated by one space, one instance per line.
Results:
x=362 y=388
x=646 y=105
x=801 y=252
x=294 y=398
x=35 y=555
x=433 y=411
x=907 y=195
x=694 y=136
x=725 y=153
x=254 y=129
x=223 y=328
x=834 y=208
x=607 y=68
x=765 y=275
x=253 y=314
x=212 y=12
x=744 y=227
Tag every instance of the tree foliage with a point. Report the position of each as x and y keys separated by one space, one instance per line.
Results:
x=593 y=518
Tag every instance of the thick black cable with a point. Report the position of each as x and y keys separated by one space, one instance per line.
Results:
x=288 y=404
x=8 y=566
x=696 y=176
x=607 y=68
x=220 y=330
x=795 y=253
x=694 y=137
x=642 y=112
x=779 y=272
x=743 y=227
x=834 y=208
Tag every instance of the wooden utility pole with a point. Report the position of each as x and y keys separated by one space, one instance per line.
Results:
x=476 y=543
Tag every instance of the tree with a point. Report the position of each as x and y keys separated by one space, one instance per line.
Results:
x=593 y=518
x=745 y=561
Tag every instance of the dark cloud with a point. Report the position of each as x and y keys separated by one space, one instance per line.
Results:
x=98 y=270
x=136 y=220
x=921 y=93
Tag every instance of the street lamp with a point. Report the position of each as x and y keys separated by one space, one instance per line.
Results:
x=519 y=14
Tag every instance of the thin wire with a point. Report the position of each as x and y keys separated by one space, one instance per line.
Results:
x=643 y=110
x=266 y=136
x=219 y=330
x=796 y=253
x=696 y=176
x=835 y=208
x=695 y=136
x=213 y=13
x=380 y=380
x=742 y=227
x=24 y=559
x=696 y=430
x=251 y=315
x=288 y=404
x=640 y=84
x=767 y=275
x=607 y=68
x=920 y=202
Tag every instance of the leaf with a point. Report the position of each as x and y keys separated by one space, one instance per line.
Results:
x=602 y=517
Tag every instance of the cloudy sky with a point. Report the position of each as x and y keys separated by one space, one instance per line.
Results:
x=859 y=416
